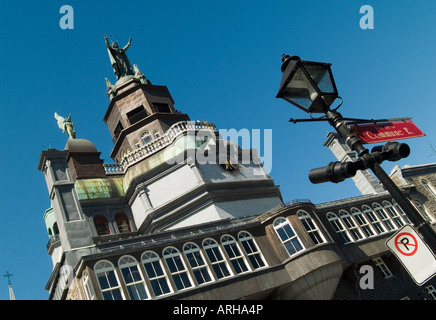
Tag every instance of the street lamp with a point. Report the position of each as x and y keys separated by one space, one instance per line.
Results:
x=310 y=86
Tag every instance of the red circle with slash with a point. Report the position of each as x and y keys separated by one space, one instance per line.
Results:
x=406 y=244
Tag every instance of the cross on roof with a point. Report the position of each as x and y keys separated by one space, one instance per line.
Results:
x=8 y=275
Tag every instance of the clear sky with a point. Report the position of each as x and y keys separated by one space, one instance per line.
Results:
x=221 y=62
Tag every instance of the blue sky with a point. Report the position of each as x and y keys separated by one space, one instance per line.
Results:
x=221 y=62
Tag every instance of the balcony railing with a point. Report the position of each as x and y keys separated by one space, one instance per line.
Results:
x=156 y=145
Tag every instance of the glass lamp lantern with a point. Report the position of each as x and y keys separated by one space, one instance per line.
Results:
x=308 y=85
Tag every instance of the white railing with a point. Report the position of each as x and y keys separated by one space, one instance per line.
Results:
x=156 y=145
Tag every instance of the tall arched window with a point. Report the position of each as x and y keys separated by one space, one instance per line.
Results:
x=88 y=286
x=56 y=229
x=338 y=227
x=133 y=278
x=349 y=223
x=393 y=213
x=401 y=211
x=310 y=227
x=122 y=222
x=251 y=250
x=196 y=262
x=155 y=273
x=363 y=223
x=429 y=187
x=383 y=216
x=156 y=134
x=101 y=225
x=287 y=235
x=177 y=268
x=234 y=253
x=373 y=219
x=136 y=144
x=216 y=259
x=108 y=281
x=421 y=210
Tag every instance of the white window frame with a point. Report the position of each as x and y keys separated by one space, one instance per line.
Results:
x=197 y=263
x=234 y=254
x=160 y=276
x=389 y=208
x=251 y=250
x=382 y=267
x=129 y=262
x=363 y=222
x=216 y=259
x=106 y=268
x=311 y=227
x=87 y=285
x=339 y=228
x=373 y=218
x=431 y=291
x=384 y=217
x=177 y=268
x=292 y=240
x=351 y=225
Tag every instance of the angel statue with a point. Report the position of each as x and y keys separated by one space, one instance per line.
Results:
x=66 y=125
x=118 y=57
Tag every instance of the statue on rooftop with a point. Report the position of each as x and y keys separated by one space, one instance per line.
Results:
x=66 y=125
x=119 y=60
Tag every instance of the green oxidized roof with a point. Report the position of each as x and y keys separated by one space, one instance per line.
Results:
x=98 y=188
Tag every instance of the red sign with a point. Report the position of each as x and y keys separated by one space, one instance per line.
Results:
x=406 y=244
x=388 y=131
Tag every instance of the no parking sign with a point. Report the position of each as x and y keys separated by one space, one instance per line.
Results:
x=413 y=253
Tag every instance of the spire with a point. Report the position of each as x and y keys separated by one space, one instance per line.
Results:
x=11 y=292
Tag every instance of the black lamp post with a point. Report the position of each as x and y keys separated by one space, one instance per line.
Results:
x=310 y=86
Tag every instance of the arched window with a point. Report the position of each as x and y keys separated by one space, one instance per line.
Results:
x=133 y=278
x=429 y=188
x=363 y=223
x=216 y=259
x=373 y=219
x=155 y=273
x=177 y=268
x=234 y=253
x=156 y=134
x=101 y=225
x=287 y=235
x=146 y=137
x=196 y=262
x=421 y=210
x=56 y=229
x=401 y=211
x=349 y=223
x=310 y=226
x=383 y=216
x=122 y=222
x=393 y=213
x=108 y=281
x=87 y=286
x=251 y=250
x=338 y=227
x=137 y=144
